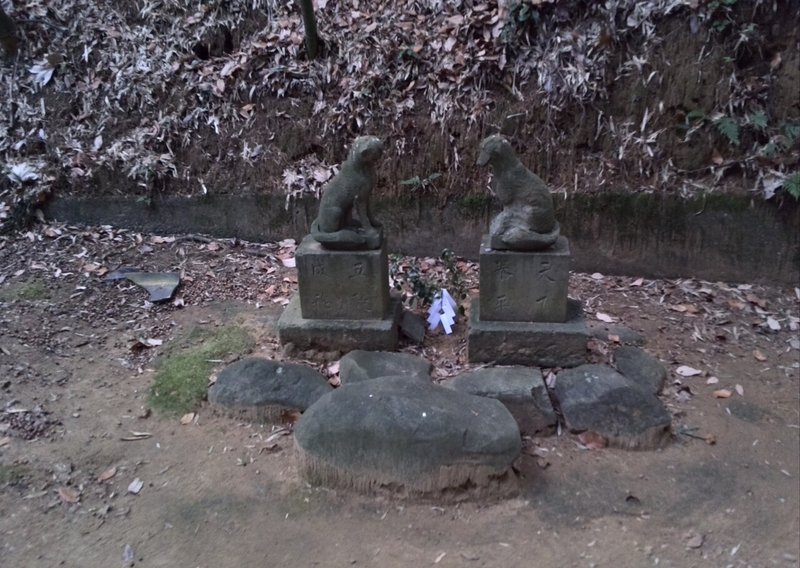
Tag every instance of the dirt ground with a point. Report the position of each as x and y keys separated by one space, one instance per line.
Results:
x=74 y=380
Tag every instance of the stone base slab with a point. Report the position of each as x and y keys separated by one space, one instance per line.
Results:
x=339 y=334
x=541 y=344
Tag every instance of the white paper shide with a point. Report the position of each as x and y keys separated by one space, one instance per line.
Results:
x=443 y=310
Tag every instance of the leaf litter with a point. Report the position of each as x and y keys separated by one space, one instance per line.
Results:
x=143 y=80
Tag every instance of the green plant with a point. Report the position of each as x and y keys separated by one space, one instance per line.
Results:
x=35 y=290
x=720 y=12
x=758 y=119
x=792 y=185
x=419 y=184
x=455 y=279
x=420 y=287
x=182 y=371
x=409 y=279
x=728 y=127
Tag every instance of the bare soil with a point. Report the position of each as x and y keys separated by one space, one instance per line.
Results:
x=220 y=493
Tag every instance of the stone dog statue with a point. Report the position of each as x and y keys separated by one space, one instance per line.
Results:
x=334 y=228
x=527 y=221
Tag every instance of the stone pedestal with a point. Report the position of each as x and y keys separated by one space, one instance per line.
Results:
x=523 y=316
x=343 y=301
x=524 y=286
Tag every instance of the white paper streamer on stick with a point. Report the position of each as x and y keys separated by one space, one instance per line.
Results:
x=443 y=310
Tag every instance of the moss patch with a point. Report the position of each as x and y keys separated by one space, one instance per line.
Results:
x=474 y=206
x=12 y=474
x=34 y=290
x=182 y=371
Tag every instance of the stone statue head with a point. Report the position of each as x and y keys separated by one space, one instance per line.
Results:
x=366 y=150
x=494 y=148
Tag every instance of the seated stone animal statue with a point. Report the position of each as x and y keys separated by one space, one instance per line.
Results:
x=527 y=221
x=349 y=191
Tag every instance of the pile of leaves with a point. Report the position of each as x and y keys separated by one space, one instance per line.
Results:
x=100 y=84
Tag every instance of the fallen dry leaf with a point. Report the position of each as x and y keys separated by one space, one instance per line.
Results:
x=187 y=418
x=107 y=474
x=690 y=309
x=694 y=540
x=739 y=390
x=759 y=355
x=593 y=440
x=69 y=495
x=605 y=317
x=722 y=393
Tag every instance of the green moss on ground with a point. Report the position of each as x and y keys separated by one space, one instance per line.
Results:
x=12 y=474
x=34 y=290
x=182 y=371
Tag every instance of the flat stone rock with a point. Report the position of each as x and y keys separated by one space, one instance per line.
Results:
x=520 y=389
x=358 y=366
x=263 y=390
x=641 y=368
x=338 y=334
x=413 y=327
x=408 y=437
x=597 y=398
x=539 y=344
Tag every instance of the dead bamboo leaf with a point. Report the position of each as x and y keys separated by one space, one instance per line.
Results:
x=686 y=371
x=605 y=317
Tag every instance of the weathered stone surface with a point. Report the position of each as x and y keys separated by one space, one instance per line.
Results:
x=597 y=398
x=520 y=389
x=522 y=343
x=342 y=284
x=527 y=221
x=263 y=389
x=640 y=367
x=338 y=334
x=625 y=335
x=413 y=327
x=407 y=437
x=359 y=366
x=347 y=193
x=524 y=286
